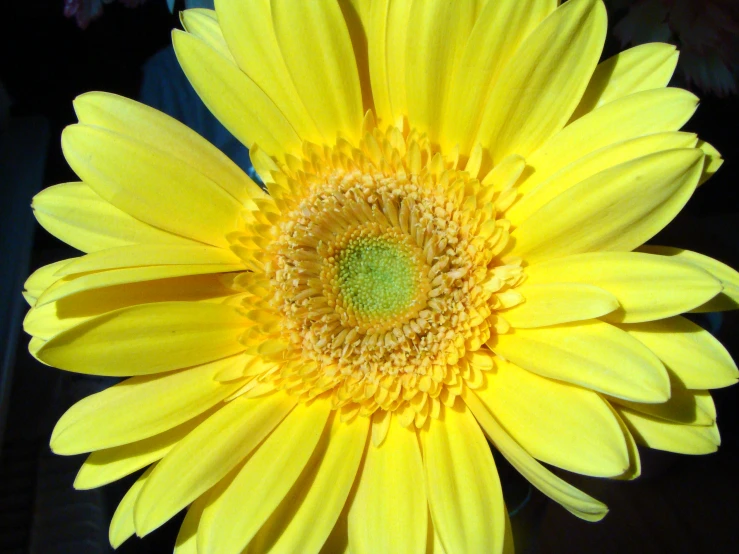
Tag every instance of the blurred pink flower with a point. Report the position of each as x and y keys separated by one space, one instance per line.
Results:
x=705 y=31
x=85 y=11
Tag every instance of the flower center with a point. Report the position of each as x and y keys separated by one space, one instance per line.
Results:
x=376 y=274
x=376 y=277
x=377 y=280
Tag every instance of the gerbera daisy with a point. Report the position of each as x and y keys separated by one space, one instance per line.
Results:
x=449 y=253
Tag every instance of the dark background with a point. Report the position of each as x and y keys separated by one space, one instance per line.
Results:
x=680 y=504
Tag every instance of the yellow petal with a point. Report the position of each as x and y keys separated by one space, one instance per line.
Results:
x=158 y=130
x=728 y=299
x=186 y=542
x=647 y=287
x=317 y=50
x=462 y=484
x=231 y=520
x=77 y=215
x=389 y=510
x=356 y=16
x=140 y=407
x=617 y=209
x=150 y=254
x=557 y=423
x=206 y=455
x=594 y=163
x=235 y=99
x=306 y=516
x=636 y=115
x=54 y=317
x=634 y=469
x=250 y=35
x=105 y=466
x=41 y=279
x=591 y=354
x=85 y=283
x=694 y=358
x=672 y=437
x=121 y=526
x=386 y=37
x=150 y=184
x=569 y=497
x=684 y=406
x=644 y=67
x=553 y=303
x=509 y=546
x=714 y=161
x=203 y=23
x=496 y=36
x=150 y=338
x=433 y=49
x=544 y=80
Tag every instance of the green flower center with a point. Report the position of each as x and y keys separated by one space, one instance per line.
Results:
x=377 y=277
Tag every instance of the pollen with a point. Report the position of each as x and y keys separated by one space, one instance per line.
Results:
x=377 y=276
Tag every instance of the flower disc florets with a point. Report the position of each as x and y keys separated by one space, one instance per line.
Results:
x=383 y=273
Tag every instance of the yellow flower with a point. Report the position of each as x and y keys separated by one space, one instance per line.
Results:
x=450 y=250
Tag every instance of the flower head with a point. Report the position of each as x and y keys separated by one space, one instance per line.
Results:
x=449 y=251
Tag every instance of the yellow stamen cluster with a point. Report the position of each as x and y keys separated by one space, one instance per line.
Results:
x=376 y=275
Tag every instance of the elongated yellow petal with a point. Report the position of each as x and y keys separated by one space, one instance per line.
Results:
x=235 y=99
x=186 y=542
x=644 y=67
x=497 y=34
x=105 y=466
x=356 y=17
x=558 y=423
x=306 y=516
x=250 y=34
x=203 y=23
x=591 y=354
x=684 y=406
x=75 y=284
x=594 y=163
x=158 y=130
x=432 y=51
x=378 y=57
x=728 y=299
x=206 y=455
x=389 y=510
x=462 y=484
x=150 y=338
x=672 y=437
x=544 y=80
x=121 y=526
x=617 y=209
x=230 y=522
x=714 y=161
x=569 y=497
x=141 y=407
x=634 y=469
x=54 y=317
x=150 y=254
x=624 y=119
x=691 y=354
x=553 y=303
x=647 y=287
x=76 y=214
x=41 y=279
x=317 y=50
x=150 y=185
x=387 y=38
